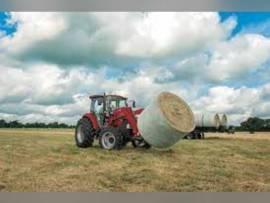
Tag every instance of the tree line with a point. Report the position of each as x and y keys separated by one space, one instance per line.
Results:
x=253 y=124
x=18 y=124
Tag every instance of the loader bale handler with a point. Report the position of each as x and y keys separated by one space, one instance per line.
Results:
x=112 y=121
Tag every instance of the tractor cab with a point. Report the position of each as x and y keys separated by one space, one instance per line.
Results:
x=104 y=105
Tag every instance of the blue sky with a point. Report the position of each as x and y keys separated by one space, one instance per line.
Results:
x=245 y=19
x=56 y=58
x=8 y=29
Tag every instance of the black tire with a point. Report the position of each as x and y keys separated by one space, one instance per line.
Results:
x=195 y=136
x=199 y=136
x=140 y=144
x=203 y=135
x=84 y=133
x=111 y=138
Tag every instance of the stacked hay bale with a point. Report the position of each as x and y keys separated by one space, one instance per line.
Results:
x=223 y=122
x=207 y=120
x=166 y=120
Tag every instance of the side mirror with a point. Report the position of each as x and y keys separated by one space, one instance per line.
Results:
x=132 y=103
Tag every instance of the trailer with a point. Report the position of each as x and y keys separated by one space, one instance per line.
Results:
x=205 y=122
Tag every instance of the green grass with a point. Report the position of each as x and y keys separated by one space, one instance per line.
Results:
x=48 y=160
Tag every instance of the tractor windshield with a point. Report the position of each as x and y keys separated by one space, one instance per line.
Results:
x=114 y=102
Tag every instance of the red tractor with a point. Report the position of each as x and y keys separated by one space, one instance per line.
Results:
x=111 y=121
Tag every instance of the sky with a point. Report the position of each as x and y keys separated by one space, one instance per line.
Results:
x=51 y=62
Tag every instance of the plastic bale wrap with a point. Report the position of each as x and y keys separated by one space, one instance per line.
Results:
x=224 y=120
x=166 y=120
x=207 y=120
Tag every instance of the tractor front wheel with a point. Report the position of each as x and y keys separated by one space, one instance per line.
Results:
x=140 y=143
x=110 y=138
x=84 y=134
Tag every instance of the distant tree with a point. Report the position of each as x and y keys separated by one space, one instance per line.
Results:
x=253 y=124
x=17 y=124
x=3 y=123
x=267 y=124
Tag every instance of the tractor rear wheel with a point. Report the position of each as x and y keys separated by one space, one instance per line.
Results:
x=110 y=138
x=84 y=133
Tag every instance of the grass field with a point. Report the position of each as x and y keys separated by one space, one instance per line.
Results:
x=48 y=160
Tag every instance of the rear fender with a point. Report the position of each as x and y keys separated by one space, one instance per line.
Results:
x=93 y=119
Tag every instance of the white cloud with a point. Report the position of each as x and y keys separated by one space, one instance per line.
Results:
x=172 y=34
x=43 y=84
x=50 y=91
x=238 y=103
x=238 y=56
x=31 y=28
x=112 y=38
x=192 y=69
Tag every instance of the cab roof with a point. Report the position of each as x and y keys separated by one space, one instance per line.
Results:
x=107 y=95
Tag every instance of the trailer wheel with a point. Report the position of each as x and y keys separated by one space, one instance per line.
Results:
x=111 y=138
x=199 y=136
x=203 y=135
x=84 y=133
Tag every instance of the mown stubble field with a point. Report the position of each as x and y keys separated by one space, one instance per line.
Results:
x=48 y=160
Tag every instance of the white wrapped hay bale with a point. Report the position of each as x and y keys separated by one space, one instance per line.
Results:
x=207 y=120
x=224 y=120
x=198 y=117
x=166 y=120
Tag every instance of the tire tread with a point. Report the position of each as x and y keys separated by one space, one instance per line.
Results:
x=88 y=131
x=119 y=138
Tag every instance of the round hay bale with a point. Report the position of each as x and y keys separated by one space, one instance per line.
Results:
x=165 y=120
x=224 y=120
